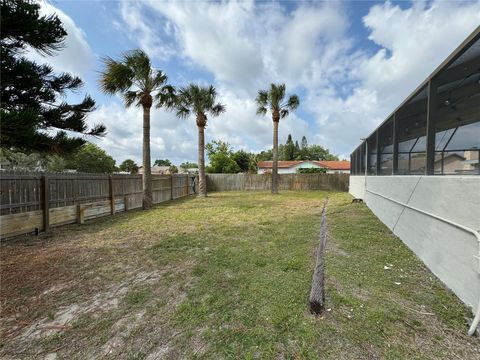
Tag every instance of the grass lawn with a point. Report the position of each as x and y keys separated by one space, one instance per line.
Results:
x=226 y=277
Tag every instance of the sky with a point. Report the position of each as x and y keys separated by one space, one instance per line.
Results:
x=351 y=63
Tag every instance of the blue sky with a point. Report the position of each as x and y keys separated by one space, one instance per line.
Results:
x=351 y=63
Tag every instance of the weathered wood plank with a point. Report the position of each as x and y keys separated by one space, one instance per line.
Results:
x=21 y=223
x=97 y=209
x=63 y=215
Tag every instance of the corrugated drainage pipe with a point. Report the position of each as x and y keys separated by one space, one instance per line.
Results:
x=476 y=319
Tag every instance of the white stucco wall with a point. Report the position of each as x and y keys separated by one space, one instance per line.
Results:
x=446 y=250
x=338 y=171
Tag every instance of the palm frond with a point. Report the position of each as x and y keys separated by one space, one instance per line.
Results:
x=293 y=102
x=159 y=79
x=166 y=97
x=284 y=113
x=212 y=91
x=139 y=62
x=217 y=109
x=184 y=97
x=197 y=99
x=182 y=112
x=130 y=98
x=116 y=77
x=276 y=95
x=262 y=102
x=261 y=110
x=273 y=99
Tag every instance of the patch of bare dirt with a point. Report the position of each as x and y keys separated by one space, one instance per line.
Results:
x=61 y=321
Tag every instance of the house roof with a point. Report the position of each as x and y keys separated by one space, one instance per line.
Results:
x=334 y=164
x=328 y=164
x=281 y=164
x=156 y=167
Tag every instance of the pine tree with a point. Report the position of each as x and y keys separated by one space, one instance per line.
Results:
x=304 y=153
x=289 y=148
x=304 y=142
x=297 y=151
x=33 y=118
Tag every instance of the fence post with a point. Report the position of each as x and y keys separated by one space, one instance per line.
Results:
x=45 y=203
x=171 y=186
x=80 y=214
x=186 y=184
x=112 y=195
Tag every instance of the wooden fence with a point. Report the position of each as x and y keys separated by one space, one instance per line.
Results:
x=34 y=202
x=229 y=182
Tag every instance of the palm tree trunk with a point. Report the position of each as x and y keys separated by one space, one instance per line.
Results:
x=147 y=170
x=275 y=159
x=202 y=183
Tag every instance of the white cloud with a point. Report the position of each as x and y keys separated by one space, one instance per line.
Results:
x=247 y=45
x=219 y=40
x=170 y=137
x=150 y=36
x=413 y=41
x=76 y=57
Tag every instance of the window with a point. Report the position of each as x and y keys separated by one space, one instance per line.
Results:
x=457 y=150
x=412 y=140
x=372 y=154
x=457 y=119
x=362 y=158
x=385 y=139
x=356 y=162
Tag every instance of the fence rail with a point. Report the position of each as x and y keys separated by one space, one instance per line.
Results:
x=34 y=202
x=230 y=182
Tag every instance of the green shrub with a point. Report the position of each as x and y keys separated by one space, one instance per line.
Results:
x=311 y=171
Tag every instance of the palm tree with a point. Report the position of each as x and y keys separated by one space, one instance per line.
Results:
x=133 y=77
x=274 y=100
x=199 y=101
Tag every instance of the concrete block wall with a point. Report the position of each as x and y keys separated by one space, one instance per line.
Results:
x=449 y=252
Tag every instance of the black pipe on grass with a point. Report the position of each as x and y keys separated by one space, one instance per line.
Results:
x=317 y=292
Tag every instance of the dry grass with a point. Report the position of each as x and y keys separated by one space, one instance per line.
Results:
x=225 y=277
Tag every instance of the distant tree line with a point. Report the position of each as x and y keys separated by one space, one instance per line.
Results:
x=293 y=151
x=223 y=159
x=88 y=158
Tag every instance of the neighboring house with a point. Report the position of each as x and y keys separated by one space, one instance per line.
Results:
x=157 y=170
x=463 y=162
x=290 y=167
x=188 y=171
x=447 y=163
